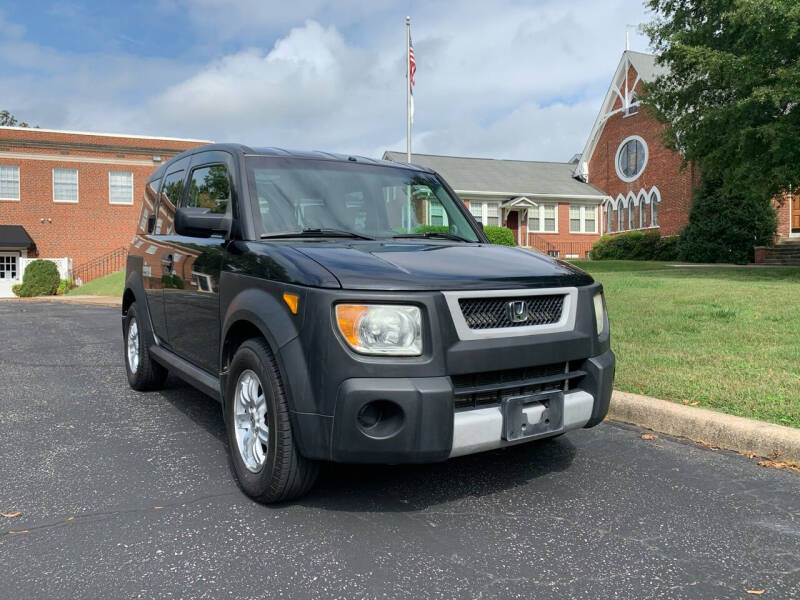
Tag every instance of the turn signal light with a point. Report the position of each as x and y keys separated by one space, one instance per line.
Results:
x=292 y=301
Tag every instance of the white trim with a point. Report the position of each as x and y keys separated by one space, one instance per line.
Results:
x=565 y=323
x=587 y=197
x=77 y=186
x=77 y=159
x=620 y=174
x=96 y=134
x=19 y=186
x=109 y=188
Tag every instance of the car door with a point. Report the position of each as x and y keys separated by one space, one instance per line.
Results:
x=191 y=288
x=147 y=249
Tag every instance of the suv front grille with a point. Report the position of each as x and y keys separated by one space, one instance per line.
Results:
x=512 y=311
x=484 y=389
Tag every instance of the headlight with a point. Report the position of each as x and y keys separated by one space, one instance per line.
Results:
x=599 y=312
x=381 y=328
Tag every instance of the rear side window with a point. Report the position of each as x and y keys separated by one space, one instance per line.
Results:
x=210 y=188
x=173 y=187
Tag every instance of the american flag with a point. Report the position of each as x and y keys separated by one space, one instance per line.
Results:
x=412 y=65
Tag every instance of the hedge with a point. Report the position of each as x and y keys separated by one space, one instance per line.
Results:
x=40 y=279
x=497 y=235
x=635 y=245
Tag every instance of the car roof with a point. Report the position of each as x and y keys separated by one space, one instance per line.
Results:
x=242 y=150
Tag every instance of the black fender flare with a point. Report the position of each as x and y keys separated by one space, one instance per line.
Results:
x=135 y=285
x=263 y=309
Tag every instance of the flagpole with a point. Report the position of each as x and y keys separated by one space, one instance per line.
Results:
x=408 y=89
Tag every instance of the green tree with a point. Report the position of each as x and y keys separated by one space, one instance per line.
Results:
x=9 y=120
x=731 y=97
x=725 y=227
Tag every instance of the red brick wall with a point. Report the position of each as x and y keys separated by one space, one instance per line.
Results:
x=93 y=226
x=663 y=168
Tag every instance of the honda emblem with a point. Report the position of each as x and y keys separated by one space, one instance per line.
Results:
x=517 y=311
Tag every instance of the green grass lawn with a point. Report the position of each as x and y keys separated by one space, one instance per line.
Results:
x=110 y=285
x=723 y=338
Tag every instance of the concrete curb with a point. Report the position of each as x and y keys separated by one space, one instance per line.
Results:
x=112 y=301
x=714 y=428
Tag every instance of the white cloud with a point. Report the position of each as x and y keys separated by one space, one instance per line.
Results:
x=503 y=79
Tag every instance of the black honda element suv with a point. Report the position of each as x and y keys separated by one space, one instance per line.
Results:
x=348 y=309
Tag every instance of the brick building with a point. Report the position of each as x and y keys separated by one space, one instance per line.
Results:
x=625 y=157
x=75 y=195
x=546 y=207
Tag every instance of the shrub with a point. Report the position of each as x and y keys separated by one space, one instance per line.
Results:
x=635 y=245
x=726 y=228
x=499 y=235
x=432 y=228
x=64 y=286
x=16 y=289
x=40 y=279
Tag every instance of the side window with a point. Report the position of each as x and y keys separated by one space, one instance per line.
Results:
x=173 y=187
x=210 y=188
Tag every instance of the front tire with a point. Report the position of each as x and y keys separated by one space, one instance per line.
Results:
x=263 y=452
x=143 y=372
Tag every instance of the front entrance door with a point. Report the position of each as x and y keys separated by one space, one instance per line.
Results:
x=795 y=224
x=9 y=273
x=512 y=222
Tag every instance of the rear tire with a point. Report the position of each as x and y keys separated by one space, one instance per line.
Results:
x=143 y=372
x=263 y=452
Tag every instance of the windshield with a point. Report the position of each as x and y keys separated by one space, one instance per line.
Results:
x=336 y=198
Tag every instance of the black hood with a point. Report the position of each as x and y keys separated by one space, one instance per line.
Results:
x=406 y=265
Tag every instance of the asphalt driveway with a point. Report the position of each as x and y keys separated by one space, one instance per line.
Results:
x=129 y=495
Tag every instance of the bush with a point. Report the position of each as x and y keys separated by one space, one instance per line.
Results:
x=499 y=235
x=635 y=245
x=726 y=228
x=16 y=289
x=432 y=228
x=40 y=279
x=64 y=286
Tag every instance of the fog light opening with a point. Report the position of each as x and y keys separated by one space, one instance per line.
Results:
x=380 y=418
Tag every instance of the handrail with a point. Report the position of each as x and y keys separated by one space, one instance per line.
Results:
x=100 y=266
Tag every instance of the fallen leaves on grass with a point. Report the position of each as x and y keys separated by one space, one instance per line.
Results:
x=755 y=592
x=649 y=436
x=13 y=515
x=11 y=532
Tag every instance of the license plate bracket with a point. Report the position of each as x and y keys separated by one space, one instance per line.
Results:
x=532 y=415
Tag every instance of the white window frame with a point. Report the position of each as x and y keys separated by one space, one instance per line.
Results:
x=109 y=189
x=539 y=218
x=484 y=212
x=19 y=185
x=583 y=208
x=622 y=175
x=77 y=186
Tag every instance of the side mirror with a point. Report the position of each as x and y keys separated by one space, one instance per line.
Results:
x=200 y=222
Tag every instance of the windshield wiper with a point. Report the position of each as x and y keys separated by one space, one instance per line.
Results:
x=434 y=234
x=316 y=232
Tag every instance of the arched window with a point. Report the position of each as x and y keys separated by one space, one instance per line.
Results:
x=609 y=217
x=643 y=209
x=655 y=200
x=630 y=215
x=620 y=210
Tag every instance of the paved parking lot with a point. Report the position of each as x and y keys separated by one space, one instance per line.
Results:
x=129 y=495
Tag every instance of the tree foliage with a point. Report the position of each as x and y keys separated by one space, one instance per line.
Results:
x=725 y=227
x=9 y=120
x=731 y=98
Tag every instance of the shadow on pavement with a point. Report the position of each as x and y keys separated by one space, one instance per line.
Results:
x=400 y=488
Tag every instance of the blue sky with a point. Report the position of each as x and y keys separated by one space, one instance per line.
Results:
x=504 y=79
